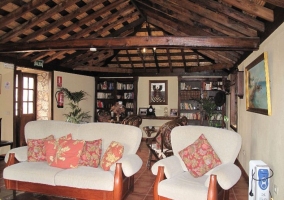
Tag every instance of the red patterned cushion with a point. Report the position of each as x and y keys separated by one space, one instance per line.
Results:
x=199 y=157
x=36 y=149
x=113 y=153
x=51 y=147
x=91 y=153
x=66 y=153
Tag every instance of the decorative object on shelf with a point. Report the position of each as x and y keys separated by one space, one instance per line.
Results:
x=158 y=92
x=118 y=109
x=151 y=111
x=76 y=115
x=165 y=111
x=143 y=111
x=174 y=112
x=104 y=116
x=258 y=86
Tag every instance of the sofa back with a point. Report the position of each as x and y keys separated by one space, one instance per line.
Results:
x=225 y=143
x=128 y=136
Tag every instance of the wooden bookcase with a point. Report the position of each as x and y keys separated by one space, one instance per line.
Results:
x=112 y=90
x=192 y=92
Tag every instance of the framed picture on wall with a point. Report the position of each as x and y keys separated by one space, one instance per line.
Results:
x=158 y=92
x=258 y=86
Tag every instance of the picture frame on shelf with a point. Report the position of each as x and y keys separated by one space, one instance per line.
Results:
x=258 y=86
x=174 y=112
x=158 y=92
x=143 y=111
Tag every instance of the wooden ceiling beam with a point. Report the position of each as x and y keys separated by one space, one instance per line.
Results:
x=198 y=42
x=218 y=66
x=36 y=20
x=103 y=69
x=62 y=20
x=253 y=8
x=212 y=16
x=279 y=3
x=4 y=2
x=20 y=11
x=99 y=25
x=233 y=13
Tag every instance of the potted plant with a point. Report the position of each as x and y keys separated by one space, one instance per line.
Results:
x=76 y=115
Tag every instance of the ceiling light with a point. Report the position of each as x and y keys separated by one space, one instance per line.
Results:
x=93 y=49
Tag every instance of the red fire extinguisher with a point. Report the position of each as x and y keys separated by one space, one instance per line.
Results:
x=59 y=96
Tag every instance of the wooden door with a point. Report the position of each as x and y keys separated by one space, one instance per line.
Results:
x=25 y=103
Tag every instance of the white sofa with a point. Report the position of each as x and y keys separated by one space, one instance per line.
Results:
x=179 y=183
x=82 y=182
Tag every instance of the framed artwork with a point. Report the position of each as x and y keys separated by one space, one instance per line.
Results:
x=174 y=112
x=258 y=86
x=158 y=92
x=143 y=111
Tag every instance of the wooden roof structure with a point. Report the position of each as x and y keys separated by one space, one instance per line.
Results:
x=135 y=37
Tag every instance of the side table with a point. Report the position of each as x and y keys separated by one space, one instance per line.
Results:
x=5 y=143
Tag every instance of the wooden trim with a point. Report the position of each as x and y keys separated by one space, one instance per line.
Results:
x=244 y=174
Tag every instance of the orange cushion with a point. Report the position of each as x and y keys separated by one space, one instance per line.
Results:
x=36 y=149
x=113 y=153
x=66 y=153
x=91 y=153
x=51 y=147
x=199 y=157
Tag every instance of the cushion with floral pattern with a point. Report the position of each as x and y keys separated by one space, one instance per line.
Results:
x=113 y=153
x=66 y=153
x=51 y=147
x=91 y=153
x=199 y=157
x=36 y=149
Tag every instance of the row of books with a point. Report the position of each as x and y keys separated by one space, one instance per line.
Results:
x=123 y=86
x=189 y=106
x=101 y=104
x=185 y=95
x=192 y=116
x=104 y=95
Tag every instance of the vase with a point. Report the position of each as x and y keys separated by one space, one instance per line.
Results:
x=117 y=117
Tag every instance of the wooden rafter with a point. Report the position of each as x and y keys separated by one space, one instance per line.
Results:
x=221 y=43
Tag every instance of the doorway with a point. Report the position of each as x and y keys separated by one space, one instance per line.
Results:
x=32 y=99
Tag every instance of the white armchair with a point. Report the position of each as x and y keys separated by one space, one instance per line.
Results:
x=174 y=181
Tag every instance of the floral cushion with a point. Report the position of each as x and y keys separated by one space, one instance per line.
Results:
x=199 y=157
x=113 y=153
x=36 y=149
x=91 y=153
x=64 y=153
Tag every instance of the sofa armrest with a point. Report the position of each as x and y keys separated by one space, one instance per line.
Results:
x=171 y=165
x=130 y=164
x=227 y=175
x=21 y=154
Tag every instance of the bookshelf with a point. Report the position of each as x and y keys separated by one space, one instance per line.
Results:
x=193 y=93
x=112 y=90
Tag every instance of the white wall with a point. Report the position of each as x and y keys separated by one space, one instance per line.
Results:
x=263 y=136
x=6 y=107
x=75 y=83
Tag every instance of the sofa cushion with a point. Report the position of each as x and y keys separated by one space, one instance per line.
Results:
x=91 y=153
x=34 y=172
x=51 y=147
x=67 y=153
x=113 y=153
x=36 y=149
x=199 y=157
x=86 y=177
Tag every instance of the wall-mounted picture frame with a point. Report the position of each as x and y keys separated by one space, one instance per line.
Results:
x=174 y=112
x=143 y=111
x=158 y=92
x=258 y=86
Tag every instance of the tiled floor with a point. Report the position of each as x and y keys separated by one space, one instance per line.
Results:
x=143 y=188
